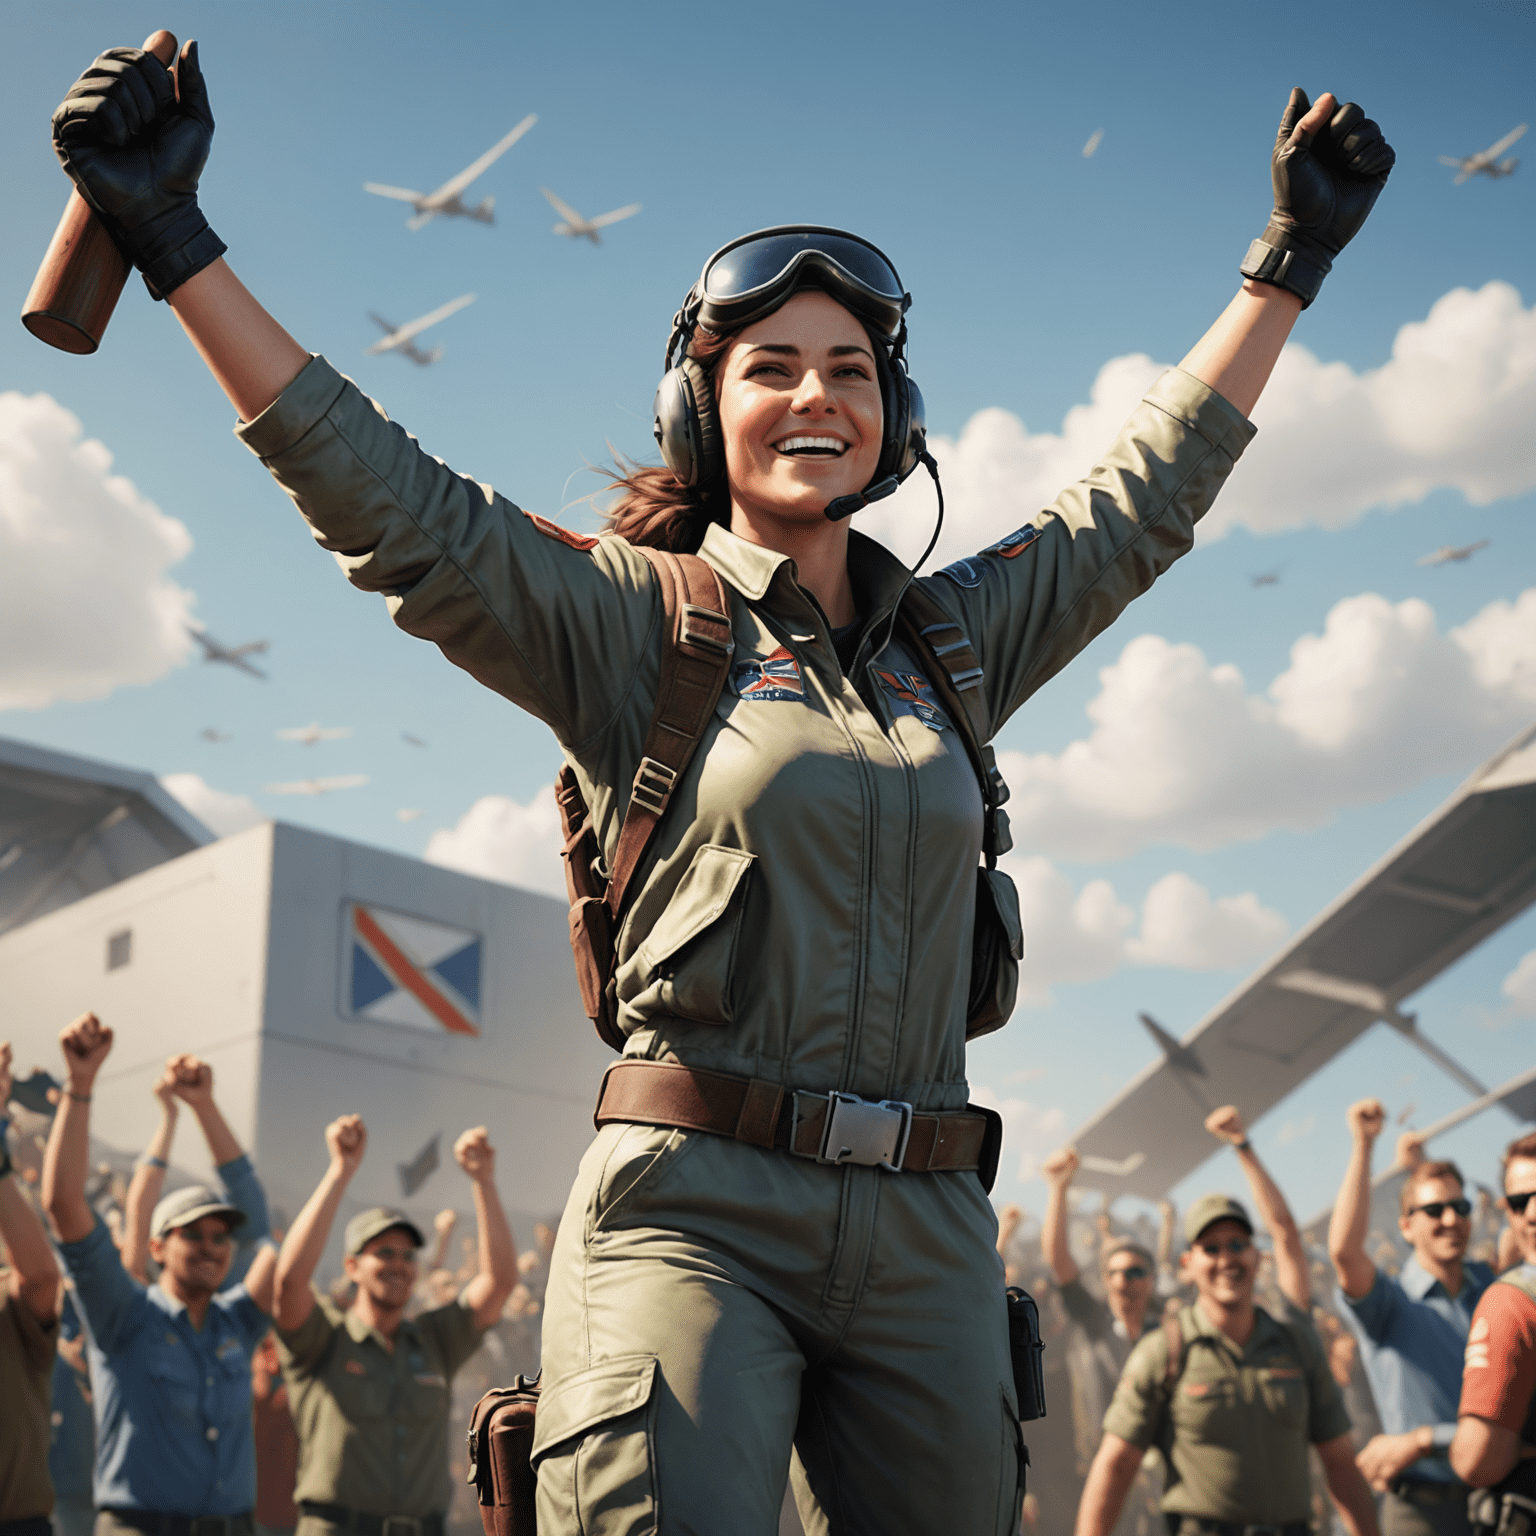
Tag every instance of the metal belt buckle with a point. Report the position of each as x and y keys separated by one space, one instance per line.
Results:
x=862 y=1131
x=400 y=1525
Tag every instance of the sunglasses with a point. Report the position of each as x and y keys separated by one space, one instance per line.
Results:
x=1518 y=1203
x=1435 y=1209
x=1130 y=1272
x=389 y=1255
x=1233 y=1245
x=197 y=1239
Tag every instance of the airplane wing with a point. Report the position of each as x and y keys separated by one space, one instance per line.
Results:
x=250 y=648
x=382 y=323
x=401 y=194
x=1439 y=557
x=456 y=184
x=1504 y=143
x=1454 y=160
x=604 y=219
x=209 y=648
x=565 y=210
x=416 y=327
x=1455 y=880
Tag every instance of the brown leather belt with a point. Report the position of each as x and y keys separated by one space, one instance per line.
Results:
x=830 y=1127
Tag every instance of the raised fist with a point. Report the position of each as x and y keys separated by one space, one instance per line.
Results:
x=444 y=1222
x=474 y=1153
x=1226 y=1124
x=86 y=1043
x=193 y=1079
x=1366 y=1118
x=1410 y=1149
x=1060 y=1166
x=346 y=1139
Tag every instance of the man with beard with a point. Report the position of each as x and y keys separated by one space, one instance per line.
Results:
x=1232 y=1398
x=171 y=1362
x=368 y=1387
x=1412 y=1329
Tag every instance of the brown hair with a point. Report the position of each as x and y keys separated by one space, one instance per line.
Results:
x=1421 y=1175
x=652 y=508
x=1523 y=1146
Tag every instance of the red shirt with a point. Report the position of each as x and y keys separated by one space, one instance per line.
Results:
x=1499 y=1377
x=277 y=1442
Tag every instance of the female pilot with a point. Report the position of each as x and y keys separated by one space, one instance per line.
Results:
x=743 y=1283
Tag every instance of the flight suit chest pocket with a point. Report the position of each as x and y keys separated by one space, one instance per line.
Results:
x=1282 y=1387
x=689 y=956
x=1202 y=1408
x=594 y=1446
x=360 y=1385
x=178 y=1379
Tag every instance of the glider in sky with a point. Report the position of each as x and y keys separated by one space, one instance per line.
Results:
x=313 y=732
x=230 y=655
x=575 y=226
x=1485 y=162
x=400 y=338
x=447 y=199
x=1449 y=554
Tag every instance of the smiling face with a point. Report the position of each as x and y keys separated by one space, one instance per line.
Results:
x=1128 y=1278
x=195 y=1258
x=1520 y=1179
x=1223 y=1262
x=1441 y=1238
x=800 y=411
x=385 y=1269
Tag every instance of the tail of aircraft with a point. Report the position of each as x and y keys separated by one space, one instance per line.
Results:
x=483 y=211
x=1506 y=167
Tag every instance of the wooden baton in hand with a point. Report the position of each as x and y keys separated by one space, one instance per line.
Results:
x=77 y=287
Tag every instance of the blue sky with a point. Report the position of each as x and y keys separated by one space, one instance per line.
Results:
x=953 y=140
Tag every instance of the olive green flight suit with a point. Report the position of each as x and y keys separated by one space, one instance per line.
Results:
x=805 y=918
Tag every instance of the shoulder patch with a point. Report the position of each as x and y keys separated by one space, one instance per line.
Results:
x=1015 y=544
x=911 y=693
x=965 y=573
x=555 y=531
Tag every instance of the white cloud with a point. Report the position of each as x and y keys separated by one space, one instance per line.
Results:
x=218 y=810
x=1182 y=753
x=1182 y=926
x=1520 y=985
x=1451 y=407
x=1087 y=935
x=499 y=839
x=85 y=602
x=1033 y=1132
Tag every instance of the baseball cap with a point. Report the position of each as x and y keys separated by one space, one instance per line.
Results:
x=182 y=1207
x=367 y=1225
x=1208 y=1210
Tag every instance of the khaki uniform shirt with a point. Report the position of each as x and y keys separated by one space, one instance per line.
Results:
x=1234 y=1436
x=806 y=914
x=373 y=1425
x=26 y=1387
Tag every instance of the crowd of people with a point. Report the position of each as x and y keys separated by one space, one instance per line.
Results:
x=1366 y=1384
x=169 y=1364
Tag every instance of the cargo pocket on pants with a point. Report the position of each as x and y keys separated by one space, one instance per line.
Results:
x=594 y=1449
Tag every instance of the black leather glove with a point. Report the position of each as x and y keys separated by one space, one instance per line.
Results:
x=135 y=152
x=1324 y=188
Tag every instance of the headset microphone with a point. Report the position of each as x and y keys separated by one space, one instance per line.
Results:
x=845 y=506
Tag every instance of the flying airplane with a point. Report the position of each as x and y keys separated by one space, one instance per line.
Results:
x=1486 y=162
x=313 y=732
x=414 y=741
x=318 y=786
x=446 y=200
x=1094 y=140
x=213 y=734
x=575 y=226
x=1448 y=553
x=230 y=655
x=407 y=815
x=1265 y=579
x=399 y=338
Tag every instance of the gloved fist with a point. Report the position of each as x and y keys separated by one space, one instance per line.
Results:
x=134 y=145
x=1327 y=174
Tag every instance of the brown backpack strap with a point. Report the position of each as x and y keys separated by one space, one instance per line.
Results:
x=955 y=673
x=1173 y=1337
x=695 y=657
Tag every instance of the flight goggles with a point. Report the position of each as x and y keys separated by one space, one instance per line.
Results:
x=753 y=276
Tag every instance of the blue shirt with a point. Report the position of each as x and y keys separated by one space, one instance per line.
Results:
x=172 y=1402
x=71 y=1440
x=1412 y=1337
x=244 y=1191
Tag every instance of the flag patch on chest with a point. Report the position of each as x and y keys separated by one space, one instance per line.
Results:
x=776 y=676
x=912 y=694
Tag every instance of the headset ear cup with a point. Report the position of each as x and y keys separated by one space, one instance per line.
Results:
x=675 y=431
x=709 y=449
x=916 y=433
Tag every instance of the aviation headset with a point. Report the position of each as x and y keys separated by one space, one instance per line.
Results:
x=749 y=279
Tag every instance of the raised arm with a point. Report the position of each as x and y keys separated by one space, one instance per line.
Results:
x=1109 y=1480
x=442 y=1229
x=67 y=1159
x=34 y=1270
x=1291 y=1269
x=487 y=1293
x=346 y=1139
x=1058 y=1169
x=149 y=1179
x=1352 y=1210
